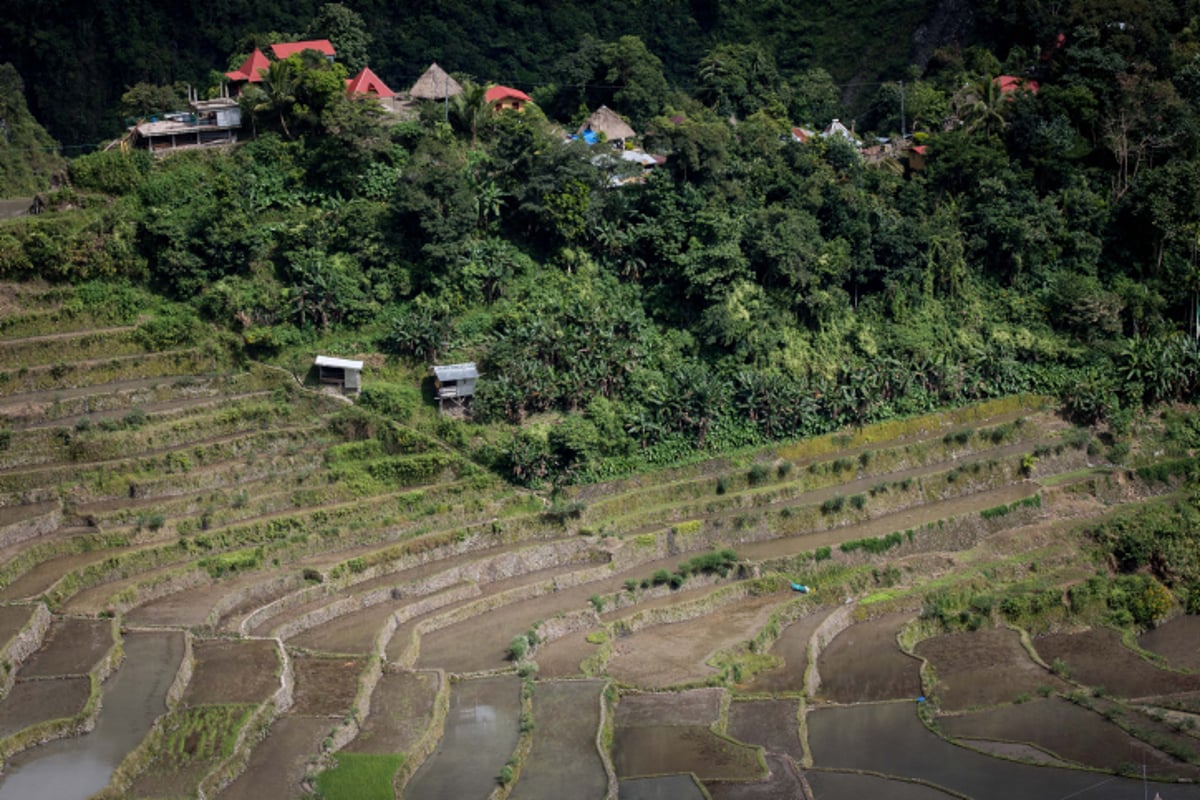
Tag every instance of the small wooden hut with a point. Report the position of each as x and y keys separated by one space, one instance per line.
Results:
x=435 y=84
x=455 y=383
x=604 y=120
x=341 y=372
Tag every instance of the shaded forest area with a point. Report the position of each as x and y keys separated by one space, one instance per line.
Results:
x=753 y=287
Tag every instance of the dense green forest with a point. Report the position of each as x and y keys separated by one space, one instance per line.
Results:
x=753 y=287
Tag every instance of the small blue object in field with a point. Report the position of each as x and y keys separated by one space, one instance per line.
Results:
x=800 y=587
x=921 y=699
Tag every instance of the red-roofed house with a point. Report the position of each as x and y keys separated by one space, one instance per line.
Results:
x=1013 y=83
x=251 y=69
x=367 y=82
x=504 y=97
x=284 y=49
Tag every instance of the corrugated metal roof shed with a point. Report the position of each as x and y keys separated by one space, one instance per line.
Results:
x=340 y=363
x=456 y=372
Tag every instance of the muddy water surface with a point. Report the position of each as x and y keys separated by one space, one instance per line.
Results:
x=1067 y=730
x=865 y=663
x=771 y=724
x=848 y=786
x=792 y=647
x=133 y=698
x=784 y=783
x=567 y=716
x=888 y=738
x=481 y=734
x=671 y=787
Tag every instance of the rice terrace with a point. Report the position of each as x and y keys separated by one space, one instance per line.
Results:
x=221 y=580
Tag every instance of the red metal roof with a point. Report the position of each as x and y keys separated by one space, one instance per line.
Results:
x=251 y=69
x=367 y=82
x=497 y=93
x=284 y=49
x=1013 y=83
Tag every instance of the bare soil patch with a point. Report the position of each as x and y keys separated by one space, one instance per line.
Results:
x=1098 y=659
x=325 y=686
x=984 y=668
x=864 y=663
x=71 y=647
x=1178 y=641
x=230 y=671
x=661 y=750
x=792 y=647
x=667 y=655
x=770 y=724
x=561 y=658
x=12 y=619
x=401 y=712
x=692 y=707
x=31 y=702
x=1068 y=731
x=1014 y=750
x=277 y=764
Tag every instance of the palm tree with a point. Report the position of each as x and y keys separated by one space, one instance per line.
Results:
x=278 y=92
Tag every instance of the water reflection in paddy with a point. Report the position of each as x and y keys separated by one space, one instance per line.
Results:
x=888 y=738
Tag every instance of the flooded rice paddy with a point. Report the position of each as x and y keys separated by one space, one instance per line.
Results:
x=73 y=769
x=565 y=754
x=481 y=733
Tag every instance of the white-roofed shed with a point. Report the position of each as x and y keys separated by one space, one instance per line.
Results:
x=343 y=372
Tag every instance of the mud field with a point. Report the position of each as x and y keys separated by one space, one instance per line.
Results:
x=666 y=655
x=228 y=671
x=850 y=786
x=792 y=647
x=1178 y=641
x=784 y=783
x=31 y=702
x=324 y=686
x=12 y=619
x=277 y=765
x=71 y=647
x=665 y=749
x=1068 y=731
x=1097 y=658
x=888 y=738
x=984 y=668
x=770 y=724
x=481 y=734
x=561 y=658
x=864 y=663
x=401 y=710
x=564 y=744
x=672 y=787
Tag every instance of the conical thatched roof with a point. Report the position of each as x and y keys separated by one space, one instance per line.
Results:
x=605 y=120
x=435 y=84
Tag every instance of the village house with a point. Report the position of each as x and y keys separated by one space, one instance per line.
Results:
x=505 y=98
x=206 y=123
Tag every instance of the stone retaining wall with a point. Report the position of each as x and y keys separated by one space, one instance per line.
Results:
x=26 y=529
x=23 y=644
x=428 y=742
x=829 y=628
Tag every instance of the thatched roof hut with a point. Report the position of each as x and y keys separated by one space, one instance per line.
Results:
x=605 y=120
x=435 y=84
